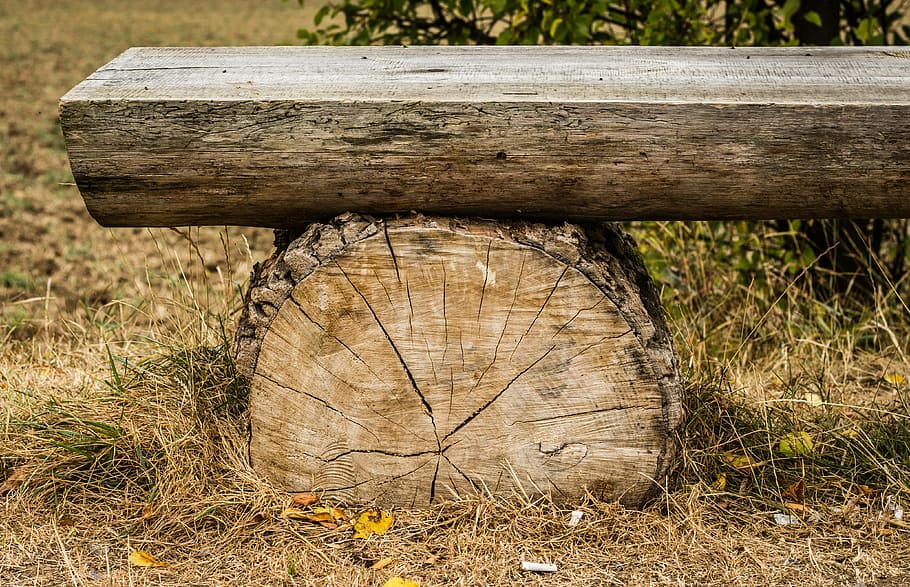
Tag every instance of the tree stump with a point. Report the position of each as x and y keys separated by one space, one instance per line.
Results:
x=401 y=361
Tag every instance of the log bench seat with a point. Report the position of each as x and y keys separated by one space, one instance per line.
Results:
x=455 y=310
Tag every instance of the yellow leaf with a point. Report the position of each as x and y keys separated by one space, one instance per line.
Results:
x=379 y=565
x=140 y=558
x=399 y=582
x=795 y=444
x=334 y=513
x=720 y=483
x=372 y=522
x=295 y=514
x=742 y=461
x=895 y=379
x=326 y=517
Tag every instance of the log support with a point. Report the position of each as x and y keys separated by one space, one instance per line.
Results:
x=401 y=361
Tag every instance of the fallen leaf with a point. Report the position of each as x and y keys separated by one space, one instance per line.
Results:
x=399 y=582
x=796 y=492
x=796 y=507
x=895 y=379
x=372 y=522
x=327 y=517
x=147 y=512
x=140 y=558
x=742 y=461
x=786 y=520
x=295 y=514
x=17 y=478
x=379 y=565
x=813 y=399
x=795 y=444
x=720 y=483
x=303 y=500
x=335 y=513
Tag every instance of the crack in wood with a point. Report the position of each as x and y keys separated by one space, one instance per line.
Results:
x=562 y=417
x=388 y=242
x=598 y=343
x=435 y=476
x=577 y=314
x=427 y=407
x=379 y=451
x=483 y=289
x=445 y=318
x=497 y=396
x=459 y=471
x=540 y=311
x=335 y=338
x=322 y=402
x=505 y=326
x=558 y=450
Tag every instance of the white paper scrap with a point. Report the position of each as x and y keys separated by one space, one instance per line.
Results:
x=538 y=567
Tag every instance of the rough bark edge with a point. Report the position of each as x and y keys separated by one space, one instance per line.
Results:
x=602 y=252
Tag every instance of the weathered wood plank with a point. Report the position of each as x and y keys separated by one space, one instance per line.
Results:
x=280 y=136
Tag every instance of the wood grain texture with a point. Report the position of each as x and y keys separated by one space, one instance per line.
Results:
x=281 y=136
x=404 y=361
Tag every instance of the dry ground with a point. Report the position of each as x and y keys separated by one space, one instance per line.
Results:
x=116 y=395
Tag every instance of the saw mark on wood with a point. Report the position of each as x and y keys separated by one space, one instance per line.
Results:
x=391 y=479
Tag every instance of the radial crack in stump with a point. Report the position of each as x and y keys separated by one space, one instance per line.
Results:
x=402 y=361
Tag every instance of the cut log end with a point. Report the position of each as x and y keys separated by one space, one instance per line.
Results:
x=406 y=361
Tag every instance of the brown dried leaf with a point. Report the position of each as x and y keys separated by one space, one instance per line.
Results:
x=796 y=492
x=302 y=500
x=18 y=477
x=147 y=512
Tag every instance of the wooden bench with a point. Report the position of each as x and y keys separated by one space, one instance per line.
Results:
x=402 y=358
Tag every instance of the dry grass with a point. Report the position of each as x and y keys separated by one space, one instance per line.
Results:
x=120 y=408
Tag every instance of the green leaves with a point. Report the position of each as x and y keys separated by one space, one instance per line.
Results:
x=581 y=22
